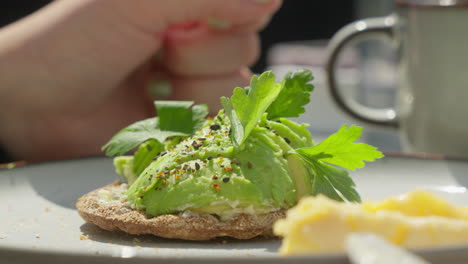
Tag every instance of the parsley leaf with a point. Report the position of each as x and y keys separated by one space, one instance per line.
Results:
x=175 y=119
x=333 y=182
x=294 y=96
x=246 y=106
x=338 y=149
x=178 y=116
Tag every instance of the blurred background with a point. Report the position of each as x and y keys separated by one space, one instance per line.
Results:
x=296 y=38
x=297 y=20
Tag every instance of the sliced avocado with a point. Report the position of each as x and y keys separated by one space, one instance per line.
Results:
x=300 y=174
x=206 y=174
x=124 y=167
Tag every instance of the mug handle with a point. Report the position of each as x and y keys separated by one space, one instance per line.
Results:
x=353 y=31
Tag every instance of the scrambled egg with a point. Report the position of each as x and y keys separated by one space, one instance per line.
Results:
x=415 y=220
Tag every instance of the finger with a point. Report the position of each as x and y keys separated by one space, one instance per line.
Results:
x=256 y=25
x=155 y=16
x=209 y=90
x=216 y=53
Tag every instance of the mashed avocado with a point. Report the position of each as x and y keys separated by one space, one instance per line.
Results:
x=206 y=174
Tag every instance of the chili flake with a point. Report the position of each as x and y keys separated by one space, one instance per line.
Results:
x=216 y=186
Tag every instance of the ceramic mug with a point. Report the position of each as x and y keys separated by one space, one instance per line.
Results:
x=431 y=41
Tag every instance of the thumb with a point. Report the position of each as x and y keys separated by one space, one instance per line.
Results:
x=155 y=16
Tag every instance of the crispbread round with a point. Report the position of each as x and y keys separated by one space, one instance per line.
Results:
x=114 y=216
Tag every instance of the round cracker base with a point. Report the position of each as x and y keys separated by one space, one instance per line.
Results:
x=115 y=216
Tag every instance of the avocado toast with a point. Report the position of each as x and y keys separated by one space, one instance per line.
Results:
x=233 y=175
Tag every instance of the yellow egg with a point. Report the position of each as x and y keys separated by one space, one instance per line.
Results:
x=415 y=220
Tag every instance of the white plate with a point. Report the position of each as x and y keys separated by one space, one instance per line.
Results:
x=38 y=220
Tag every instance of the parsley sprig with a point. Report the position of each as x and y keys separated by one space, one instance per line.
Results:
x=246 y=106
x=341 y=150
x=287 y=99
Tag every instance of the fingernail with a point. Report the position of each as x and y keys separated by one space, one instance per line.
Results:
x=159 y=88
x=217 y=23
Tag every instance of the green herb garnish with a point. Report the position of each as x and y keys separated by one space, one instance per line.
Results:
x=287 y=99
x=246 y=106
x=176 y=118
x=293 y=97
x=338 y=149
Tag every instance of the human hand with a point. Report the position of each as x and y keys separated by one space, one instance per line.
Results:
x=77 y=71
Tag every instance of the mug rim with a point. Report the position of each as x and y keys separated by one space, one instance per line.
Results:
x=433 y=3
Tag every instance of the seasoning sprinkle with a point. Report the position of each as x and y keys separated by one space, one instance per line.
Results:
x=209 y=158
x=215 y=127
x=196 y=145
x=287 y=140
x=216 y=186
x=215 y=177
x=249 y=165
x=197 y=166
x=228 y=169
x=226 y=180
